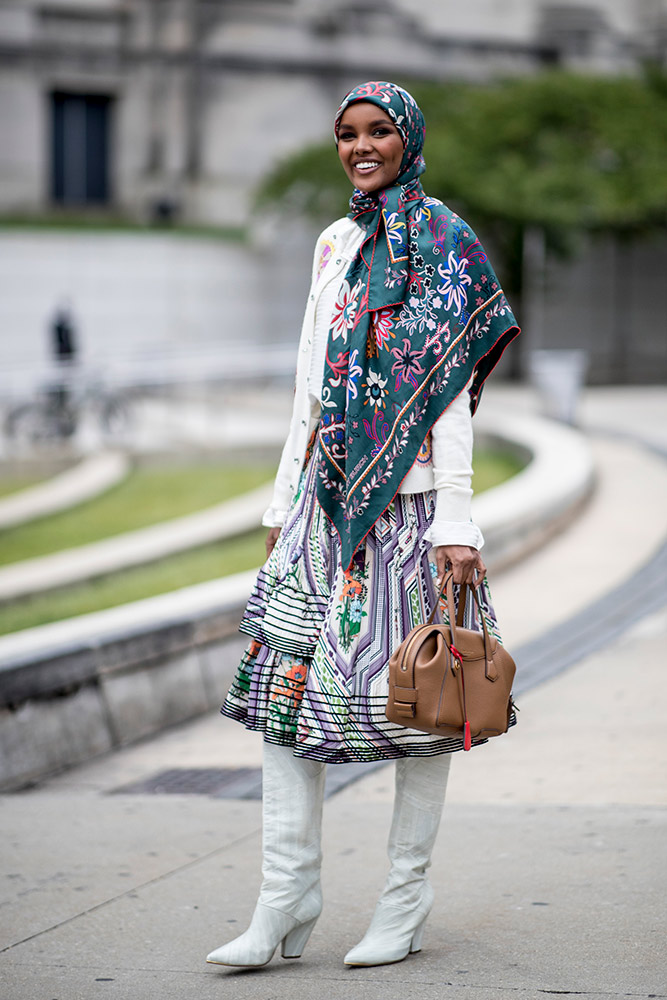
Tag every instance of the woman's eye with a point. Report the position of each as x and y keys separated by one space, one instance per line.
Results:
x=345 y=136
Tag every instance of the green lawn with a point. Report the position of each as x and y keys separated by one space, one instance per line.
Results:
x=13 y=484
x=166 y=487
x=195 y=566
x=148 y=495
x=108 y=223
x=492 y=468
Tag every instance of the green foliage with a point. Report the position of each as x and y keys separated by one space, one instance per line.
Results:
x=558 y=151
x=563 y=152
x=311 y=182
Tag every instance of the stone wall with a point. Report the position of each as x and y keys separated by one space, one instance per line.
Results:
x=79 y=687
x=64 y=709
x=140 y=303
x=205 y=95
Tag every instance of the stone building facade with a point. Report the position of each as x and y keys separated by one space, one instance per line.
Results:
x=156 y=108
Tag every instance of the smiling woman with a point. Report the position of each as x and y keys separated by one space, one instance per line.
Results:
x=369 y=146
x=404 y=322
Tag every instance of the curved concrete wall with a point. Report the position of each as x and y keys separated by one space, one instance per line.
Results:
x=77 y=688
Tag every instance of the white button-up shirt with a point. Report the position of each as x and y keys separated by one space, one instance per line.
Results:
x=445 y=467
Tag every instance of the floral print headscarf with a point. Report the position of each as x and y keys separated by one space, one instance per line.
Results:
x=387 y=207
x=420 y=311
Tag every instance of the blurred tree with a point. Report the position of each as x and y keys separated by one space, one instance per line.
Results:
x=557 y=155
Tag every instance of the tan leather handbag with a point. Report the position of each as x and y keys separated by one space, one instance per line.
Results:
x=449 y=680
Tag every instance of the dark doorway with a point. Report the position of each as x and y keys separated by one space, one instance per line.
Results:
x=80 y=144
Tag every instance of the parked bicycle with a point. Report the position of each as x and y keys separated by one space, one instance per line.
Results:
x=59 y=410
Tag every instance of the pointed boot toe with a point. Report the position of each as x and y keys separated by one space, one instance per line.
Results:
x=257 y=945
x=394 y=934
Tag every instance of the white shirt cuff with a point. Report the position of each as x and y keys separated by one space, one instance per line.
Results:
x=454 y=533
x=273 y=518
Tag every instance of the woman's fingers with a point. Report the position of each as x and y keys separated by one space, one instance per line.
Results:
x=271 y=539
x=480 y=571
x=465 y=562
x=441 y=563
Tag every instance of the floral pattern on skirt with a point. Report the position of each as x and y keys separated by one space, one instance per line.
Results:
x=315 y=673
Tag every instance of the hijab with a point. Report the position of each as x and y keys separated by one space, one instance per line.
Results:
x=419 y=314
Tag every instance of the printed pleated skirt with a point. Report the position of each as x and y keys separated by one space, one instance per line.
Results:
x=315 y=673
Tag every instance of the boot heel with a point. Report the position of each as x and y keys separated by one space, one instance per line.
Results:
x=297 y=939
x=416 y=943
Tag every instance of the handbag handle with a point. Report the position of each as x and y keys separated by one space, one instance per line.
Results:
x=456 y=620
x=449 y=576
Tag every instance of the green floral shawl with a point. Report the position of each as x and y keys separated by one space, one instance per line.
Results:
x=419 y=313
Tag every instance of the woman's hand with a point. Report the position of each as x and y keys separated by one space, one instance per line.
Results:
x=271 y=540
x=465 y=562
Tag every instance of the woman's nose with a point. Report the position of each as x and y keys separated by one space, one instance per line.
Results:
x=363 y=143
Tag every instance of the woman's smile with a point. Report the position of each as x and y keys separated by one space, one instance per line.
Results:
x=370 y=147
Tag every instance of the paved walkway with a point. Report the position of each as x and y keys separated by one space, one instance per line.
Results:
x=550 y=867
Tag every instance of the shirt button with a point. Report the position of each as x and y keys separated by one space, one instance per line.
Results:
x=338 y=261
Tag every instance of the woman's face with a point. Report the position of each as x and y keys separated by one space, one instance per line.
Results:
x=369 y=146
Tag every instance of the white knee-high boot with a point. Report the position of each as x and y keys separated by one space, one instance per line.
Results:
x=290 y=899
x=398 y=922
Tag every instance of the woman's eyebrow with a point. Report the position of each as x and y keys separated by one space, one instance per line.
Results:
x=351 y=128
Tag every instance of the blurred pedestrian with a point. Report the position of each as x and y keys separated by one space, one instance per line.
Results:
x=63 y=339
x=405 y=320
x=64 y=350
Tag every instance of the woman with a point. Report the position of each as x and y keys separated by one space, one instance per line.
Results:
x=405 y=320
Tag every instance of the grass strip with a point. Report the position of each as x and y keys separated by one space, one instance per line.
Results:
x=147 y=496
x=106 y=223
x=15 y=484
x=491 y=468
x=196 y=566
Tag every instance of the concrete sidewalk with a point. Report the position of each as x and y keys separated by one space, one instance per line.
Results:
x=550 y=866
